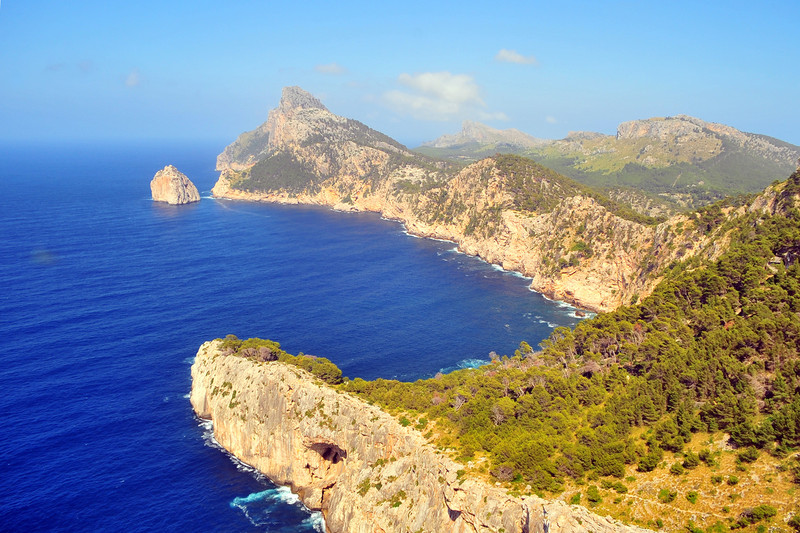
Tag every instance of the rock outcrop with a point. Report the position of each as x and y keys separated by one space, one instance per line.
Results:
x=172 y=186
x=356 y=463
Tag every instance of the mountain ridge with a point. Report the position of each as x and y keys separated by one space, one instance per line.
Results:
x=680 y=160
x=576 y=244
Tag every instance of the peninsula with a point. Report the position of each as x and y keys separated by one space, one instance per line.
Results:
x=356 y=463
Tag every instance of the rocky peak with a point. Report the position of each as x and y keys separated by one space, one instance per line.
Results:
x=173 y=187
x=294 y=98
x=660 y=128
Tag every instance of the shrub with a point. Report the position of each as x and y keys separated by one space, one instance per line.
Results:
x=748 y=455
x=733 y=480
x=593 y=495
x=692 y=496
x=667 y=496
x=691 y=460
x=676 y=469
x=756 y=514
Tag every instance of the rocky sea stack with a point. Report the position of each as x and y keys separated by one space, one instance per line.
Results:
x=172 y=186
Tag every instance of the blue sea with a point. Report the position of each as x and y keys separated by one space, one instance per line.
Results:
x=106 y=297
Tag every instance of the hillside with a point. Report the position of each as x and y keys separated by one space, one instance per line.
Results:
x=682 y=161
x=364 y=469
x=681 y=412
x=575 y=243
x=678 y=413
x=679 y=408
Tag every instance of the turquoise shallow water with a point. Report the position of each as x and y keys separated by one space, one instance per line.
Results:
x=107 y=296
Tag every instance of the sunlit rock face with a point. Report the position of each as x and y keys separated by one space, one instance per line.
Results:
x=173 y=187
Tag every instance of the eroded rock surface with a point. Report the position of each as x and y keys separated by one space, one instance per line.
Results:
x=173 y=187
x=356 y=463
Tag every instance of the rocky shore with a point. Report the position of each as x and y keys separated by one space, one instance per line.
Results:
x=357 y=464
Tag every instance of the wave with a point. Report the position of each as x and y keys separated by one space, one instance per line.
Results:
x=279 y=495
x=465 y=363
x=316 y=521
x=259 y=507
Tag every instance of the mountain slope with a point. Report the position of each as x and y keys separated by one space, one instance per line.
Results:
x=686 y=161
x=575 y=243
x=681 y=411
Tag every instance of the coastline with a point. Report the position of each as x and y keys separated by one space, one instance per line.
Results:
x=354 y=462
x=574 y=303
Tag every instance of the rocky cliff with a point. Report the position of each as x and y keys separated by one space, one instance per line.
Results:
x=172 y=186
x=356 y=463
x=574 y=243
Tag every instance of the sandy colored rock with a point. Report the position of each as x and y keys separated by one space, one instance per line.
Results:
x=173 y=187
x=354 y=462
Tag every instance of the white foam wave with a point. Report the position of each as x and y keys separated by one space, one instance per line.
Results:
x=317 y=521
x=465 y=363
x=277 y=495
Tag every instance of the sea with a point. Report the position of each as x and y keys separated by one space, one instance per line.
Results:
x=106 y=296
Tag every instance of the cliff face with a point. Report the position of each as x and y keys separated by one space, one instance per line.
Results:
x=356 y=463
x=510 y=212
x=172 y=186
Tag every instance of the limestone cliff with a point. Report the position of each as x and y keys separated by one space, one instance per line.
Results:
x=575 y=244
x=356 y=463
x=172 y=186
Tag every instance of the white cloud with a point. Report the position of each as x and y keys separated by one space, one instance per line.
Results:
x=453 y=88
x=551 y=120
x=512 y=56
x=438 y=96
x=333 y=69
x=133 y=78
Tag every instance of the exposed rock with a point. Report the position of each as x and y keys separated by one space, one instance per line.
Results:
x=172 y=186
x=356 y=463
x=574 y=248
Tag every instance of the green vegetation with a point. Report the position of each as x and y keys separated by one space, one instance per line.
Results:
x=257 y=349
x=280 y=170
x=702 y=171
x=539 y=189
x=682 y=360
x=715 y=347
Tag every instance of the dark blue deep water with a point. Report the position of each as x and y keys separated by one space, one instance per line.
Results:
x=106 y=296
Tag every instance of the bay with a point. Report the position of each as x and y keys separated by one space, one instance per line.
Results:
x=106 y=296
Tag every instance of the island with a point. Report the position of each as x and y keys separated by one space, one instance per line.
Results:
x=173 y=187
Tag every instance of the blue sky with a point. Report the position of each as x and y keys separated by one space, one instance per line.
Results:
x=414 y=70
